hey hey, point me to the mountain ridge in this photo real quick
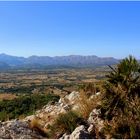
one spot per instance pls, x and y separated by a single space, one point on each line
45 61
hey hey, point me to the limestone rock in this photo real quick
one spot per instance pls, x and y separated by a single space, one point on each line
91 129
72 97
95 119
80 133
65 136
17 130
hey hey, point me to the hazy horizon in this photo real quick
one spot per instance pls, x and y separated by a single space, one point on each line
64 55
53 56
104 29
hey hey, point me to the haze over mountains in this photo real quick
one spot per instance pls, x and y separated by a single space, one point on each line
8 61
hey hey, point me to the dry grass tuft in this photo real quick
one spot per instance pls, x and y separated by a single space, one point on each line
36 124
87 104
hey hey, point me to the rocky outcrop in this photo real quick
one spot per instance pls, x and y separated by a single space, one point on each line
94 128
22 129
17 129
79 133
65 136
94 119
72 97
49 113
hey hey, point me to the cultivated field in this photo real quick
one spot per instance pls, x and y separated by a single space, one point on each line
57 81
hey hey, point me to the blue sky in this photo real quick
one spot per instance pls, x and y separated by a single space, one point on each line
65 28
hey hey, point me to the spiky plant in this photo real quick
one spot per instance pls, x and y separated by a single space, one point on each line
121 92
126 72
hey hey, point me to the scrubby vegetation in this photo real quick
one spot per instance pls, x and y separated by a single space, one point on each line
24 105
65 123
121 100
86 104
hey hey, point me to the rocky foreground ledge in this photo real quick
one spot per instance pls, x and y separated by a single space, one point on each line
21 129
17 129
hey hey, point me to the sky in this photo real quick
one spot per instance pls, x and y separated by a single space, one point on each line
54 28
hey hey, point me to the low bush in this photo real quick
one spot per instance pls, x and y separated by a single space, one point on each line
65 123
24 105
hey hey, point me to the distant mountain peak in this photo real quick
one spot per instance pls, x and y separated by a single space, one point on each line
3 54
70 60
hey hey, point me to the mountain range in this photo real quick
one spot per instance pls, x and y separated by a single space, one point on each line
8 61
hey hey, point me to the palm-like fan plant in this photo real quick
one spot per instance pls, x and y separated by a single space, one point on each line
121 90
126 74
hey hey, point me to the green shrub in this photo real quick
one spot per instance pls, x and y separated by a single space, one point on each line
65 123
24 105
